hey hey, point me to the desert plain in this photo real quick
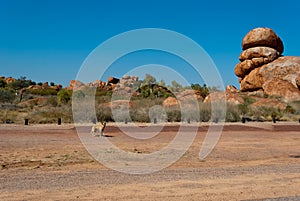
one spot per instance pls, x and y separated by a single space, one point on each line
252 161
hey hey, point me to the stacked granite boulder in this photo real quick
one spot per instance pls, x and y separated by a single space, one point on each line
260 46
263 68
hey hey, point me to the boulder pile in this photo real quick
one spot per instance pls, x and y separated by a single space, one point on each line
263 68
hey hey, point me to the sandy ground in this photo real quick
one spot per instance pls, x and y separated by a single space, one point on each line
251 161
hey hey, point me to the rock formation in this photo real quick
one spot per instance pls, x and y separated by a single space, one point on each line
75 85
262 67
9 80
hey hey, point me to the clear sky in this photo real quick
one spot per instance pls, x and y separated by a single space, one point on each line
48 40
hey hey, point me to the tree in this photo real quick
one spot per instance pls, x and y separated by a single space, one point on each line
2 83
7 96
63 96
204 90
176 86
149 79
162 83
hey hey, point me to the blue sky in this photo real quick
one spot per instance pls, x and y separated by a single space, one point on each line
49 40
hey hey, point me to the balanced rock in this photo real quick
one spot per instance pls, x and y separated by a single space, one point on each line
262 37
259 52
263 69
245 67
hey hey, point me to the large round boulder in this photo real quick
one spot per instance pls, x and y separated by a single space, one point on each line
262 37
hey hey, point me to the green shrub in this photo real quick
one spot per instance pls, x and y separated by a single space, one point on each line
173 115
232 114
42 92
64 96
2 83
52 101
7 96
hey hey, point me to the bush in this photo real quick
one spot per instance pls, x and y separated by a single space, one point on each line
205 112
51 115
140 115
104 114
42 92
2 83
64 96
52 101
173 115
232 114
7 96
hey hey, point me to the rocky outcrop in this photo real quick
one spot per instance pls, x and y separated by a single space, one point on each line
170 102
189 94
283 89
126 84
269 103
262 37
262 68
45 85
283 68
75 85
56 87
231 89
10 80
298 81
97 83
231 96
112 80
253 58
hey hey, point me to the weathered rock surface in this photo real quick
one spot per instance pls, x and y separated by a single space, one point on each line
268 102
262 37
258 52
283 68
97 83
56 87
10 80
75 85
231 89
228 96
298 81
126 85
189 95
283 89
170 101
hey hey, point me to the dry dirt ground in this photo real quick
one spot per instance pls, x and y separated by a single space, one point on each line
251 161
